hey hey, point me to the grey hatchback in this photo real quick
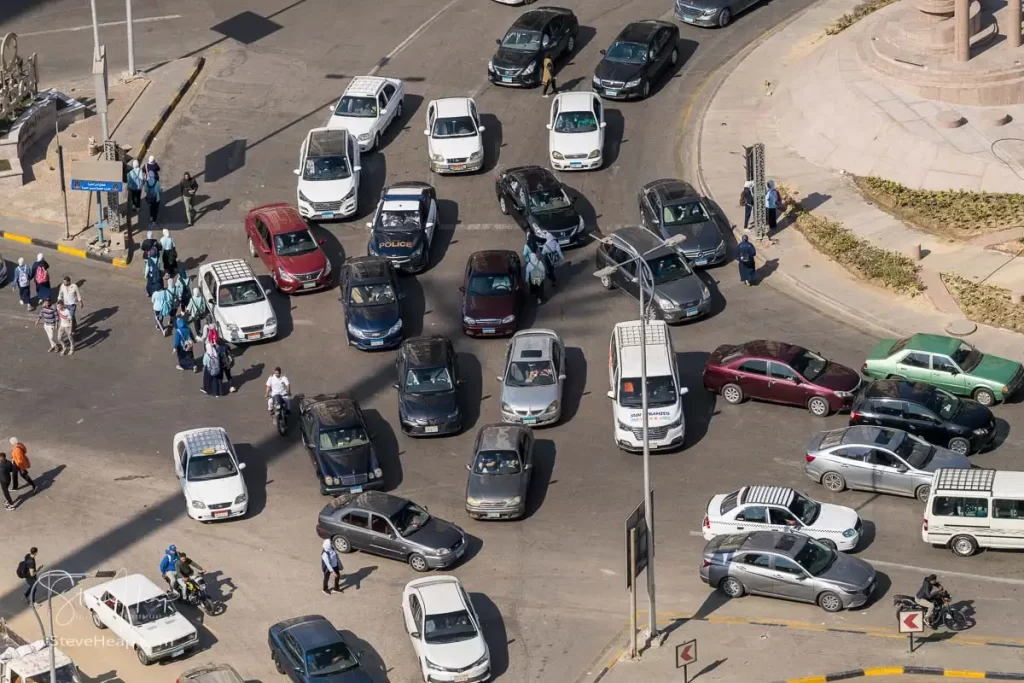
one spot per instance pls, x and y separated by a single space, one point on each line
499 475
791 566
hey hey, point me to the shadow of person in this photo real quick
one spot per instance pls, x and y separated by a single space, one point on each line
251 373
46 479
219 586
355 579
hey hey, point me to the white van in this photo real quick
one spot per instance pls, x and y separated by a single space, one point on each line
976 508
665 422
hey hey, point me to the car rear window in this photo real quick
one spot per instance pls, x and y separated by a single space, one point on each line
832 438
729 502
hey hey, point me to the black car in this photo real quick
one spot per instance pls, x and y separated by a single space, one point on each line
639 54
372 301
334 432
500 472
535 199
536 33
428 387
310 649
962 425
403 225
671 207
710 13
389 526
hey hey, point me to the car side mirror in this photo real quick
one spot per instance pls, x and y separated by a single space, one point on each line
604 52
650 56
800 577
561 377
295 171
460 382
611 394
469 468
902 469
548 126
481 129
426 131
394 385
414 634
369 224
604 124
498 41
330 109
356 169
321 242
264 249
683 391
462 289
528 466
574 200
241 466
499 378
954 371
210 302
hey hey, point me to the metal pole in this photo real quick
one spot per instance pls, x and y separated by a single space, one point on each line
95 32
53 637
131 37
652 618
632 593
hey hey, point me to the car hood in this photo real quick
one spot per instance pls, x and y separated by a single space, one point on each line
836 518
165 630
699 236
995 369
575 143
455 148
247 315
681 291
396 244
488 307
838 378
355 125
617 71
326 190
494 486
705 4
881 349
374 318
360 460
426 406
436 533
972 415
557 221
513 59
456 655
309 262
534 398
849 572
216 491
946 459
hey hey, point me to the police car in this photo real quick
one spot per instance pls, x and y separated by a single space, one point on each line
403 225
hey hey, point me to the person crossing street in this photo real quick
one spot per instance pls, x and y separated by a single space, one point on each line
19 458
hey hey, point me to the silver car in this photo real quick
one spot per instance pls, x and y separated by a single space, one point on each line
499 475
531 392
878 459
780 564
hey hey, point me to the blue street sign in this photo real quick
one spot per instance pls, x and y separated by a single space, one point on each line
96 185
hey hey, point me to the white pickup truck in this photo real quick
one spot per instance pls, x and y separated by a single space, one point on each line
30 663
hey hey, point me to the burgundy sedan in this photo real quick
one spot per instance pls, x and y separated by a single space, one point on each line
492 294
280 238
780 373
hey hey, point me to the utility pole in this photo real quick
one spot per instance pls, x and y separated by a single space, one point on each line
99 74
131 36
95 33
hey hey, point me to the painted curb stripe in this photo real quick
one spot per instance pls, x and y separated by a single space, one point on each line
166 112
80 253
64 249
909 671
17 238
884 671
844 675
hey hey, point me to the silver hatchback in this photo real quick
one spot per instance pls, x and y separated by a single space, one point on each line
878 459
533 377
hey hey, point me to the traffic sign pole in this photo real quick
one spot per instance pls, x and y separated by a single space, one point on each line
632 594
686 654
910 622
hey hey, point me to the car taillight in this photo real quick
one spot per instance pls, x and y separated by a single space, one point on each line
925 526
809 458
704 563
854 415
707 522
864 368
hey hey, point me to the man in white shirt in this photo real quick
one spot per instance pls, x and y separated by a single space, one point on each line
278 385
71 297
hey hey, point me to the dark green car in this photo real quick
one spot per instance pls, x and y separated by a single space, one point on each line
948 363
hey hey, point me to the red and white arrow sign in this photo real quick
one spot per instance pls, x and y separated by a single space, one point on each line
686 653
911 622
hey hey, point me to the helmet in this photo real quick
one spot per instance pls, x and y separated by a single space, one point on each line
172 549
931 578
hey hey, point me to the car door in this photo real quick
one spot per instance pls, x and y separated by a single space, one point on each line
890 472
947 375
516 204
626 275
526 456
791 581
115 615
558 358
210 292
599 115
515 271
785 386
752 518
181 463
430 221
752 377
888 412
924 423
414 625
293 660
915 365
665 45
264 245
781 519
390 92
383 540
476 121
383 115
429 130
754 571
648 218
850 463
356 528
310 437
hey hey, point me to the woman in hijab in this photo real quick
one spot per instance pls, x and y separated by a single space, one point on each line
177 290
135 180
195 310
154 278
22 282
162 307
183 343
152 191
41 276
745 254
536 273
169 252
771 205
747 202
212 370
227 361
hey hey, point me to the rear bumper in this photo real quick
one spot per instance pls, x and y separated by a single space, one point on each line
338 489
499 330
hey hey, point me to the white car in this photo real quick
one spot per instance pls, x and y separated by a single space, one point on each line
455 140
369 105
210 475
328 172
445 631
142 616
576 137
237 301
778 508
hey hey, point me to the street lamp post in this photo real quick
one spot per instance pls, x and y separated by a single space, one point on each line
131 37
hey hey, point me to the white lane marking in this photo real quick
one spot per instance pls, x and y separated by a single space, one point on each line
944 572
609 572
696 533
74 29
412 36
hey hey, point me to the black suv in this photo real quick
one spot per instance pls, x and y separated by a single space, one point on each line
389 526
334 432
639 54
372 301
537 201
428 387
519 61
962 425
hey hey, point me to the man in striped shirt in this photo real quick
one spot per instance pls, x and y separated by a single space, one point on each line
64 329
48 316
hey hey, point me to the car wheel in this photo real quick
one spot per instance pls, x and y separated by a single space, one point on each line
376 142
252 248
731 587
97 623
818 406
502 205
341 545
923 492
901 378
418 562
674 58
143 659
277 663
570 46
724 18
830 602
834 482
827 543
959 444
606 282
647 90
732 394
399 111
984 396
964 546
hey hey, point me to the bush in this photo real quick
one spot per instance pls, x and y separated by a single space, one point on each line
985 303
859 12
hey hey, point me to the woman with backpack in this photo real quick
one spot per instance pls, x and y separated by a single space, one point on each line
183 345
212 370
227 361
41 276
169 252
196 310
154 277
178 292
22 280
745 254
151 188
536 273
161 307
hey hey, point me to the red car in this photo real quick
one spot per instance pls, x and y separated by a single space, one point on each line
780 373
281 239
492 294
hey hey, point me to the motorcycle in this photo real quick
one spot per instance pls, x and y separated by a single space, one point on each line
280 415
195 594
944 613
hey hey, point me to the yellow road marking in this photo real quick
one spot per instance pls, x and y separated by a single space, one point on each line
809 679
17 238
80 253
884 671
963 673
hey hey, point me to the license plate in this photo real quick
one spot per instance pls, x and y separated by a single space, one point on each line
328 214
376 342
220 513
458 167
700 262
178 653
357 489
611 93
493 515
308 285
254 335
529 420
506 79
458 554
688 20
431 430
576 164
692 311
564 240
461 678
488 330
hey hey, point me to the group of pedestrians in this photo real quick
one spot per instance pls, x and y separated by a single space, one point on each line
745 251
144 183
541 256
26 276
11 469
58 321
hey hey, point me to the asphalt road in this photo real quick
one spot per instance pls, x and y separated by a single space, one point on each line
550 587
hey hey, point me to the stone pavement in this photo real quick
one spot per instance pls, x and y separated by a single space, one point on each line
744 111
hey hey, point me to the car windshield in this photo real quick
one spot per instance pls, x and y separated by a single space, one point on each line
943 404
490 285
292 243
517 39
533 373
362 107
428 380
815 558
455 127
626 53
342 438
805 509
330 659
65 674
497 462
399 221
661 392
410 519
576 122
689 213
240 294
151 610
916 453
548 199
371 295
668 268
450 627
967 357
207 467
326 168
808 364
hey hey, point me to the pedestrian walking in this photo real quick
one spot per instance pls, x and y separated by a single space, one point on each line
152 168
28 570
548 76
152 191
177 290
536 273
745 253
212 369
553 256
22 283
65 330
227 361
135 180
71 296
747 202
183 345
186 293
161 308
533 243
19 458
196 311
41 276
48 316
6 472
771 205
169 252
149 243
330 563
189 187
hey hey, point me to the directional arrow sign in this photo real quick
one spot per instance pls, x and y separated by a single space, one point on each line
911 621
686 653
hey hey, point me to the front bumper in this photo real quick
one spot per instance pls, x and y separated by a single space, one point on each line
844 545
406 264
242 337
628 441
294 286
446 560
704 259
474 675
174 652
463 167
517 81
576 164
980 443
622 93
208 515
691 313
698 19
542 420
451 427
375 344
858 599
495 330
345 210
339 489
511 512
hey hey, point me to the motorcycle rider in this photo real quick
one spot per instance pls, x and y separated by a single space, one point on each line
930 596
185 567
278 385
168 566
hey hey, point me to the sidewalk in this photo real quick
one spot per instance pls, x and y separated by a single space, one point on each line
744 110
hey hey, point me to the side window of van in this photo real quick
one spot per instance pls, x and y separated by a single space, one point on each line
959 506
1008 509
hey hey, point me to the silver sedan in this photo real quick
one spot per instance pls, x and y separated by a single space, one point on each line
532 381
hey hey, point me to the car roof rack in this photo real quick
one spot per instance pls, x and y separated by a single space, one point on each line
236 269
629 334
965 480
768 495
206 442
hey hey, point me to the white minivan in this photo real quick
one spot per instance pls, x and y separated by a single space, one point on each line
975 508
665 421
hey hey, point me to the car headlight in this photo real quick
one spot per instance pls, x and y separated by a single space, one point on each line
437 552
529 69
418 250
350 195
508 319
435 667
330 481
666 305
633 83
676 423
595 154
1005 390
709 12
623 426
981 431
271 322
241 499
552 407
356 332
596 80
472 501
377 473
515 500
721 248
395 328
483 658
303 198
232 328
704 292
198 505
843 394
372 248
452 415
557 155
364 137
849 533
506 408
490 65
581 226
439 158
285 275
469 321
475 155
327 268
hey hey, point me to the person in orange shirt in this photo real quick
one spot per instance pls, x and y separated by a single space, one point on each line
19 456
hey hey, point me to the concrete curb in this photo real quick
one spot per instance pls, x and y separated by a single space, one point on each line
909 671
166 112
70 251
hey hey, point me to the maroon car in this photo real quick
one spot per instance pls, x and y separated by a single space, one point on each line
492 294
280 238
780 373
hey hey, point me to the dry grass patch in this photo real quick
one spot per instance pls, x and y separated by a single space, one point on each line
1013 247
985 303
859 12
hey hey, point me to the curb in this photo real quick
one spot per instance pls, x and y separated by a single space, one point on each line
166 112
69 251
909 671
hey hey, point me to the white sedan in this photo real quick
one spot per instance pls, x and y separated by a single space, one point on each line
576 137
210 475
455 140
445 631
779 508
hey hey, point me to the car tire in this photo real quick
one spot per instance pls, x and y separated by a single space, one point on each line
674 57
252 248
833 481
647 90
341 545
819 407
901 378
984 396
399 111
964 546
143 659
277 664
502 205
724 18
376 142
96 621
959 444
731 587
606 282
418 563
732 394
830 544
570 46
922 492
830 602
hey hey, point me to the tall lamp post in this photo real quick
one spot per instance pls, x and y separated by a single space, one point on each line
60 575
646 280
